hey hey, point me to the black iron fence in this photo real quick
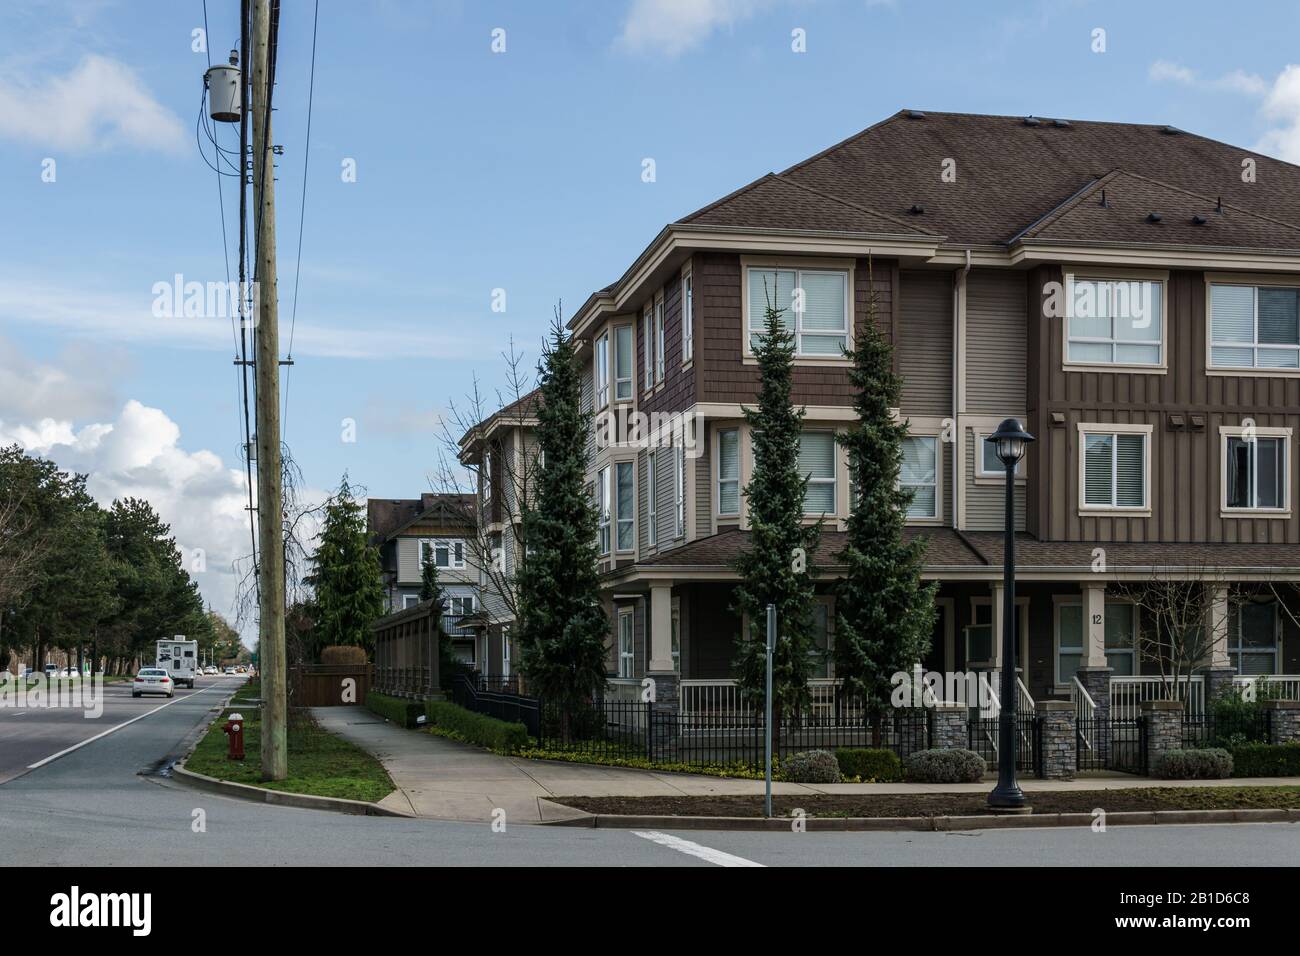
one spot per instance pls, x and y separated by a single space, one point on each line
515 708
1110 745
1225 729
982 737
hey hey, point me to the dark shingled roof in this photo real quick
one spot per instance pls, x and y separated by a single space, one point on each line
385 516
1010 176
943 547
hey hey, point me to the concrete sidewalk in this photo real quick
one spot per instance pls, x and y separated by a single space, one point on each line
445 780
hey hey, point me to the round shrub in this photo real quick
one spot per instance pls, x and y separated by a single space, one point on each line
869 765
1214 763
343 654
944 766
811 766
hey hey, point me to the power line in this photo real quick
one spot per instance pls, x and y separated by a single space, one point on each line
302 212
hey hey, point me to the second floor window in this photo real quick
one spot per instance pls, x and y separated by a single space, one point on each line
648 345
602 508
1255 475
623 363
659 339
729 471
679 492
602 370
1114 470
460 606
817 461
626 506
919 473
652 495
814 305
1254 327
1116 322
688 316
447 553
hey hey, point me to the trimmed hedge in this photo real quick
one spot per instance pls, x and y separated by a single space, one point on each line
1213 763
944 766
478 729
1266 760
869 765
398 710
811 766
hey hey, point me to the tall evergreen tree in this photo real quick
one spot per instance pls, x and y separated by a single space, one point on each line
884 613
777 567
561 626
346 574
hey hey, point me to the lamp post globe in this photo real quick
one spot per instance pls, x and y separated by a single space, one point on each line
1010 441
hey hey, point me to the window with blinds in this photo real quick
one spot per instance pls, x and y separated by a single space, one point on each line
1255 475
729 471
1116 322
1254 327
817 461
919 474
1114 470
814 306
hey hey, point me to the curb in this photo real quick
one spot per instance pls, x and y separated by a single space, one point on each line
281 798
935 824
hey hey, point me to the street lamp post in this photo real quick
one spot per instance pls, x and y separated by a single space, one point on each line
1010 440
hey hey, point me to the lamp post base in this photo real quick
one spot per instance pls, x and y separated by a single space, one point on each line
1008 799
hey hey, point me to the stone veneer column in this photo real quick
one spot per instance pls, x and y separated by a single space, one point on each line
1163 728
948 727
1283 721
1219 674
1096 681
1058 758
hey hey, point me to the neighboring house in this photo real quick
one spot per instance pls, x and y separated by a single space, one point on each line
405 531
501 453
966 229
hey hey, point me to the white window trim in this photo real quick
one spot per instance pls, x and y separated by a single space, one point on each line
628 656
505 650
652 502
833 480
631 362
1112 428
659 337
1236 431
619 518
648 345
410 600
679 491
847 266
432 544
604 506
717 472
930 428
999 477
601 356
1256 281
487 476
1118 275
688 314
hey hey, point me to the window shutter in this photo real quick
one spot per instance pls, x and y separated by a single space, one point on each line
1130 468
1097 456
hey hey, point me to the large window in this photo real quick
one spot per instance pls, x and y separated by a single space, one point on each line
652 497
461 606
1252 638
688 316
626 644
602 508
1115 322
448 553
1254 326
1114 469
814 305
601 358
1255 471
920 475
729 471
817 461
626 506
623 363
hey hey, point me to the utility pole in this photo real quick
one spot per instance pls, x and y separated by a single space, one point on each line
275 757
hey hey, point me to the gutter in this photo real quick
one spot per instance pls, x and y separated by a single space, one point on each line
958 389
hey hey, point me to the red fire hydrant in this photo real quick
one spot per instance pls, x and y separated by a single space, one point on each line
234 729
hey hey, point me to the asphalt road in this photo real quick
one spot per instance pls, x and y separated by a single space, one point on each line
104 804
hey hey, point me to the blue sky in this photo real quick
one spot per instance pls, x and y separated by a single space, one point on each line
476 171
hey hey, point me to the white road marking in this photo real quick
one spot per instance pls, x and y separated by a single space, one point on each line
125 723
709 854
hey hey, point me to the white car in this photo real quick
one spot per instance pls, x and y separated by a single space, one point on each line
153 680
209 670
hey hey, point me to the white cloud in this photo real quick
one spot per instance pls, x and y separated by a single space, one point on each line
672 27
1236 81
1282 107
76 387
139 454
1239 81
1163 71
98 103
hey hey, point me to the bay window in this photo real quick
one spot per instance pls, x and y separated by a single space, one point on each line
814 306
626 505
623 363
1254 326
601 361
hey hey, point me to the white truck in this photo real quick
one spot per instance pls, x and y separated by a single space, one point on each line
180 658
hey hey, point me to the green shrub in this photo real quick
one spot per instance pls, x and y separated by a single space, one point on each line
1237 715
944 766
399 711
868 765
1213 763
477 729
1266 760
811 766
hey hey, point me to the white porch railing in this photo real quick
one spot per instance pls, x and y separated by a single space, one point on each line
1285 686
704 699
1085 711
991 695
1128 693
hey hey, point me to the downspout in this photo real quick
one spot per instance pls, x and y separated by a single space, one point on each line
958 383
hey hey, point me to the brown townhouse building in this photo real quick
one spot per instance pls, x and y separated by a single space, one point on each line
1130 292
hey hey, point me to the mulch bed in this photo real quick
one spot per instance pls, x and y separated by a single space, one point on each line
943 804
